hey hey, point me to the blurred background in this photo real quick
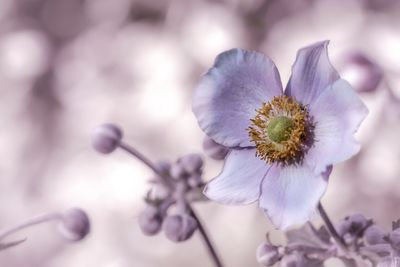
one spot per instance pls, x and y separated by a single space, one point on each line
69 65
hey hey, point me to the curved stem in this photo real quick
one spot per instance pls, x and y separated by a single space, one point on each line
331 228
33 221
168 180
206 239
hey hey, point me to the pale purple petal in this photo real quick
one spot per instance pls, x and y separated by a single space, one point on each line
240 180
337 113
312 73
230 92
290 194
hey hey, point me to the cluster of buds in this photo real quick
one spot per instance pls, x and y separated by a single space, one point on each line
308 246
73 225
167 203
174 187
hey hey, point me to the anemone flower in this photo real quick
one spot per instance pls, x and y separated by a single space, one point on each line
283 142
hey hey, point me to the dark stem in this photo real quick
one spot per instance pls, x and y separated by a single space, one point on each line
330 227
168 180
207 241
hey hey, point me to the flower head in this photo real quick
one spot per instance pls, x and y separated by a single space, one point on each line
282 143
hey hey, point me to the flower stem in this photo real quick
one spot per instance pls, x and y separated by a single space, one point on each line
331 228
168 180
33 221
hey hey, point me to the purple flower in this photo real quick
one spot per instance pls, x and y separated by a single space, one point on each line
283 143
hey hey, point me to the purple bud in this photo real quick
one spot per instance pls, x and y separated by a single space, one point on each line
163 167
177 171
75 224
267 254
195 180
150 221
389 262
363 74
394 238
191 163
374 235
179 227
213 149
106 138
354 225
293 260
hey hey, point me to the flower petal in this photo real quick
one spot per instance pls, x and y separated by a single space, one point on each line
337 114
240 180
290 194
230 92
312 73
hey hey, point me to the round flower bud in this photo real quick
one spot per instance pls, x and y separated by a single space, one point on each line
191 163
163 167
374 235
389 262
106 138
75 224
179 227
293 260
213 149
354 225
394 238
361 72
195 180
267 254
177 171
150 221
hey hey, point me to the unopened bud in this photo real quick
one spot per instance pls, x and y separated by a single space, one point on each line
363 74
177 171
150 221
163 167
394 238
179 227
106 138
213 149
195 180
75 224
293 260
191 163
354 225
267 254
374 235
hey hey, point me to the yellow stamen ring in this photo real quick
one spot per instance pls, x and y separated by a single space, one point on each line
279 130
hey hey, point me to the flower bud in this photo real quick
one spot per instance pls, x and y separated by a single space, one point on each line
195 180
106 138
179 227
150 221
361 72
267 254
75 224
394 238
293 260
389 262
191 163
374 235
354 225
213 149
177 171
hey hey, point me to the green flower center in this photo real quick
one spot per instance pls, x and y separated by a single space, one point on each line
279 129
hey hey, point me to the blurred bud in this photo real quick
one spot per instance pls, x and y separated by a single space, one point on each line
354 225
163 167
389 262
374 235
150 220
361 72
213 149
191 163
106 138
179 227
75 224
267 254
195 180
394 238
293 260
177 171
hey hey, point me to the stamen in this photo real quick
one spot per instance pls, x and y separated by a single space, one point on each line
279 130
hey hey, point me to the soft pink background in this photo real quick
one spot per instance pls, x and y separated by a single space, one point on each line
68 65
